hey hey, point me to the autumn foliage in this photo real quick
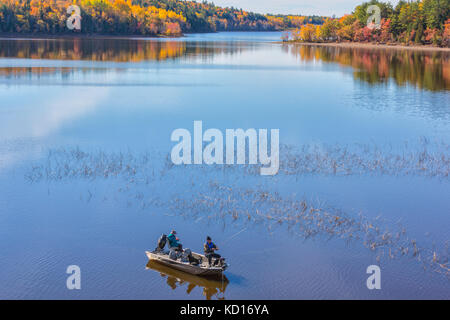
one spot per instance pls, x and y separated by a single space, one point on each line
145 17
415 22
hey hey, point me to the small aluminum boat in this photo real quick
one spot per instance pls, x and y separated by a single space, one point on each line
202 269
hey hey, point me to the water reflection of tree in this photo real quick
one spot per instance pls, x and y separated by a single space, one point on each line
20 71
427 70
104 50
115 50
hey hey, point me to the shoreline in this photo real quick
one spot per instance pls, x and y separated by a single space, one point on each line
42 36
357 45
368 45
93 36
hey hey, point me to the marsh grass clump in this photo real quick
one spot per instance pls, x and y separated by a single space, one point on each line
424 159
62 164
151 179
307 219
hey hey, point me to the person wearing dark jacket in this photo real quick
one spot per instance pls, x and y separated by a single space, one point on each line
209 247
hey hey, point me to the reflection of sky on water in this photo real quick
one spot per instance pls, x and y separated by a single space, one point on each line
111 106
39 122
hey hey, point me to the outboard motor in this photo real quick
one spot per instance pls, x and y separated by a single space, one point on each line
161 243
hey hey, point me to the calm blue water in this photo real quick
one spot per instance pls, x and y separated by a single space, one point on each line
72 110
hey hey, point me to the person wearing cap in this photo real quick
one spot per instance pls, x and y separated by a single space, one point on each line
174 241
210 248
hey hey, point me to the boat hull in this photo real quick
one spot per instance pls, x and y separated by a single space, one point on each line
201 270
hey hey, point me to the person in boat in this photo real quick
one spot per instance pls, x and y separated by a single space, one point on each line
174 242
209 247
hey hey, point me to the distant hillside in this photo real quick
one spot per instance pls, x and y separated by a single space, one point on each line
144 17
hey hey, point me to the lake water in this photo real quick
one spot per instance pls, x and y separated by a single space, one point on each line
85 130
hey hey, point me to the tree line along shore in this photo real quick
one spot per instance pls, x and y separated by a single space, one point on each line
412 23
138 17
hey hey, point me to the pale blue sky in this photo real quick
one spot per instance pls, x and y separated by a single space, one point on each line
307 7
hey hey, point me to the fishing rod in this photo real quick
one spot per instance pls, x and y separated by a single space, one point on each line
234 235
